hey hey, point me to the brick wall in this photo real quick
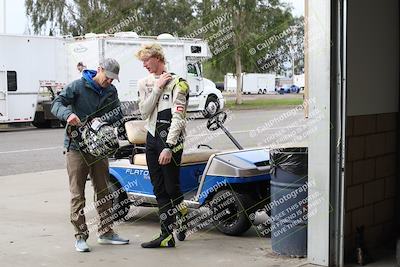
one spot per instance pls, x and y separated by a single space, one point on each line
371 171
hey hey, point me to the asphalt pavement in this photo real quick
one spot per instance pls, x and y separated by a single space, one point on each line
32 150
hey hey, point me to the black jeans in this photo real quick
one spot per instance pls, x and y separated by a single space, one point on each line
165 180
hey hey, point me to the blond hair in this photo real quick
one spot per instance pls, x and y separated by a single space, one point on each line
150 50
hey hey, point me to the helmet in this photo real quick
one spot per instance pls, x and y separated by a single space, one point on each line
100 140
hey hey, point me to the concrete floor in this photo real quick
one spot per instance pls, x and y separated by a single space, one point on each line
36 231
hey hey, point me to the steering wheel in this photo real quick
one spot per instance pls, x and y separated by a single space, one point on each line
215 121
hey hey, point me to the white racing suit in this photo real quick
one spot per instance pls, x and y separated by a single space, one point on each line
165 112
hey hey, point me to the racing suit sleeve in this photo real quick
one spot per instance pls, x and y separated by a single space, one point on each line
178 110
61 104
148 101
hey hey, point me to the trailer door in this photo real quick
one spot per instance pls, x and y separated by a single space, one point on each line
3 95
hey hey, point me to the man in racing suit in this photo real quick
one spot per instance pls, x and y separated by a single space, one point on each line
163 102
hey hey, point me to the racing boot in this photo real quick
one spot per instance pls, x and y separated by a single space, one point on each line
165 239
181 222
162 241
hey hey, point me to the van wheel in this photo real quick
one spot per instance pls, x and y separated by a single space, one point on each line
233 212
212 106
121 203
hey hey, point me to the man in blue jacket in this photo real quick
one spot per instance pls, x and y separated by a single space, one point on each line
92 96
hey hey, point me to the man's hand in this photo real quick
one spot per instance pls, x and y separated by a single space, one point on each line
163 80
165 156
73 120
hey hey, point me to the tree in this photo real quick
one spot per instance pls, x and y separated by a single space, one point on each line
252 22
288 47
77 17
243 35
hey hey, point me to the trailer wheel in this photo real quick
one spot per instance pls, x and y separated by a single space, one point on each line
212 106
121 203
260 91
231 212
264 91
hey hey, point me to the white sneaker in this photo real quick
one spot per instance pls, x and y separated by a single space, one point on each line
81 245
112 239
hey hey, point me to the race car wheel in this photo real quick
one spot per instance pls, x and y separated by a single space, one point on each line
121 203
233 212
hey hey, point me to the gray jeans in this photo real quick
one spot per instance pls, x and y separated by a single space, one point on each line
78 170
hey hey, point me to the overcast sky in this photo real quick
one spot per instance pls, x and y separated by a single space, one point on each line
298 7
17 22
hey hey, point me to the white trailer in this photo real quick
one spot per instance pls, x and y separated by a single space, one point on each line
230 83
252 83
258 83
184 57
25 63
